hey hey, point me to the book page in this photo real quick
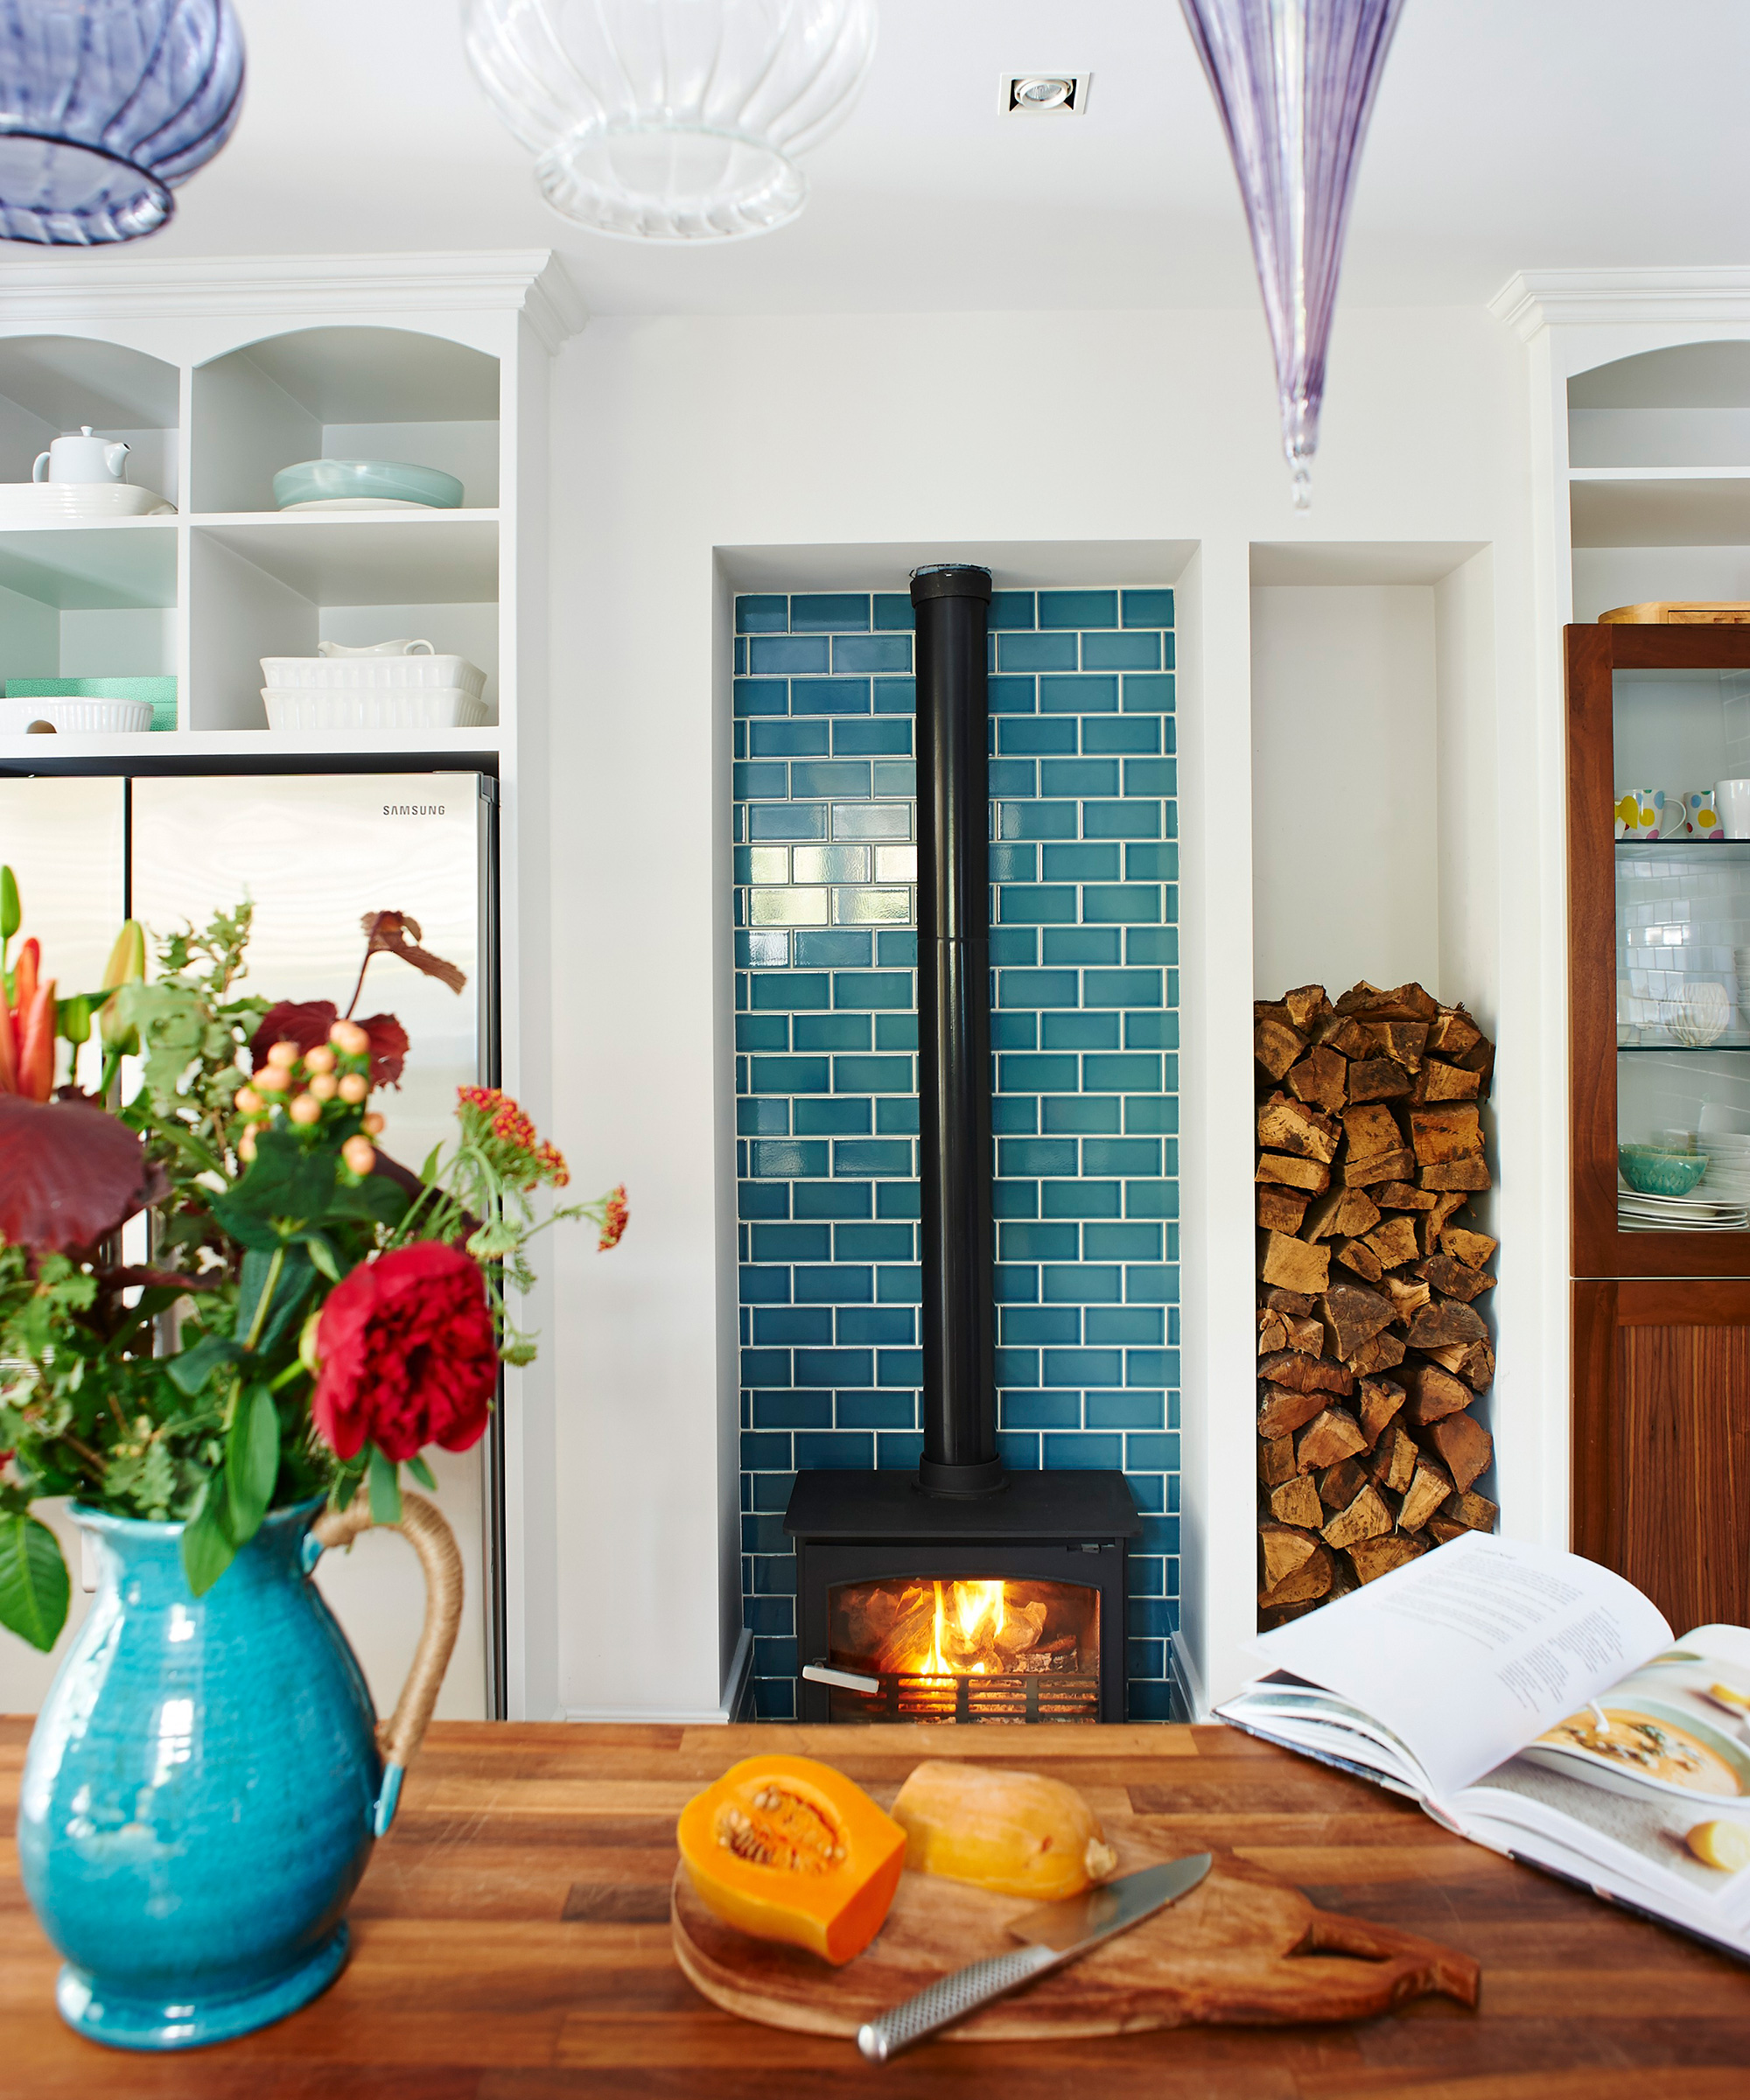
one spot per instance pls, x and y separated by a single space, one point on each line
1651 1779
1469 1652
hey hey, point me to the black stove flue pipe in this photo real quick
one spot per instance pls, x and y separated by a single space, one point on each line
952 606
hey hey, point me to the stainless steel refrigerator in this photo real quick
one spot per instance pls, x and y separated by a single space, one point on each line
314 853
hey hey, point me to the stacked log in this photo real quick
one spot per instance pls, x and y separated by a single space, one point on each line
1371 1343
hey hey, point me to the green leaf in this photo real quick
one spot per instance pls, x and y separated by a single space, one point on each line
251 1461
428 1173
346 1487
296 1276
322 1253
262 1190
12 917
206 1549
422 1472
33 1584
190 1371
376 1199
245 1227
385 1489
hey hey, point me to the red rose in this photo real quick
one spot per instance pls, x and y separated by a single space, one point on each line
408 1355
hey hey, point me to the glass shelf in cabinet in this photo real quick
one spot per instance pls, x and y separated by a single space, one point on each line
1737 1042
1655 848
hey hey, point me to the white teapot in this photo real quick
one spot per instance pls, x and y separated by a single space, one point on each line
77 456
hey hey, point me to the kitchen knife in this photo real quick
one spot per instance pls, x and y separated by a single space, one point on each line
1054 1934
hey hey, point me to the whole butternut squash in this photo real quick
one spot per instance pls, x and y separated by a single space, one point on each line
787 1849
1014 1832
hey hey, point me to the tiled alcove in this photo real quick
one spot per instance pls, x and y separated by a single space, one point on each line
1084 949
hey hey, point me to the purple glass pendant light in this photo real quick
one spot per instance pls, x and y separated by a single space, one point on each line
105 106
1294 81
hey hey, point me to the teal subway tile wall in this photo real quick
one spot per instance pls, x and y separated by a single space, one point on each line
1084 1024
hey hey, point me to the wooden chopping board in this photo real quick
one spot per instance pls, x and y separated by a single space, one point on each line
1242 1949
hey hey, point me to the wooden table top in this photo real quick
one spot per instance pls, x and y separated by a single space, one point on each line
511 1943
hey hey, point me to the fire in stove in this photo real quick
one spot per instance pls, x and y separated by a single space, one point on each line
946 1649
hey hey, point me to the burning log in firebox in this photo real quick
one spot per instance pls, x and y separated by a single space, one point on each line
1371 1344
949 1628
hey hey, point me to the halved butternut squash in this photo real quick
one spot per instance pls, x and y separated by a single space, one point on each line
1011 1831
787 1849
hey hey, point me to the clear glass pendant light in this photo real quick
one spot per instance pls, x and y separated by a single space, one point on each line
1294 81
671 120
105 106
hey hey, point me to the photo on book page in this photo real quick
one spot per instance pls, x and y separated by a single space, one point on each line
1659 1764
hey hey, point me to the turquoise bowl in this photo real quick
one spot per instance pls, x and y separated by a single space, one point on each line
201 1794
1656 1173
365 480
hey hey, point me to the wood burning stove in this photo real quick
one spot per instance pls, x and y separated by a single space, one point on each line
960 1594
912 1606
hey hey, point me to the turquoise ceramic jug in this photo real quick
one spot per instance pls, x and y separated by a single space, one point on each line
205 1781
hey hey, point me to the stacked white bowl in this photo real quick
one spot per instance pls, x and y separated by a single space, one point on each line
389 685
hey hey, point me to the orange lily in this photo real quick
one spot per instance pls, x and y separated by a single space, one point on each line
37 1051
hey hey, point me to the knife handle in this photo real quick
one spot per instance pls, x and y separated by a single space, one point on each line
952 1998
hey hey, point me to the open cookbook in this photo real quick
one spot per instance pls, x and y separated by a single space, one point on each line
1539 1704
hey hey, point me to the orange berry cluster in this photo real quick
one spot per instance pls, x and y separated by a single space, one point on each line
305 1084
500 1119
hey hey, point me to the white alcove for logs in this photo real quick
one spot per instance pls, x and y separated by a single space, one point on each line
1375 797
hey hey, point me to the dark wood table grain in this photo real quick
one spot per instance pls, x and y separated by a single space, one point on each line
511 1943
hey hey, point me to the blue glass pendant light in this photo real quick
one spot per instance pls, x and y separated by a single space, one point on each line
105 106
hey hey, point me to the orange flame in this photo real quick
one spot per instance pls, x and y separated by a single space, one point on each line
980 1611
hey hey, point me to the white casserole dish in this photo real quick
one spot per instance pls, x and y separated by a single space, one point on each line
373 674
365 713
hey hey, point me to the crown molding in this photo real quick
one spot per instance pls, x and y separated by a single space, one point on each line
532 282
1532 299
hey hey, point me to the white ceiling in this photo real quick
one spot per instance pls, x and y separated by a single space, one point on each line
1507 133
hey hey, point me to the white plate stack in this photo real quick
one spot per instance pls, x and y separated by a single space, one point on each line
1728 1165
361 695
26 503
1708 1207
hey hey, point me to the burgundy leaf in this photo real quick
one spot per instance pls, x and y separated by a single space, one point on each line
388 1049
395 933
69 1175
306 1024
159 1280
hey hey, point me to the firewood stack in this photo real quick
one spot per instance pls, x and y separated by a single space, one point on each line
1370 1345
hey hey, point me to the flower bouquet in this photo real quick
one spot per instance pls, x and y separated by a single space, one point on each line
303 1315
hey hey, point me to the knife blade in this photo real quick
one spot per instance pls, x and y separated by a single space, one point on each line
1052 1936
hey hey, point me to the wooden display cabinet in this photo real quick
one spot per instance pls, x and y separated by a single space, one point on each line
1661 1318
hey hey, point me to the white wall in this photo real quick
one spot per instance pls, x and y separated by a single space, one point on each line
674 437
1344 795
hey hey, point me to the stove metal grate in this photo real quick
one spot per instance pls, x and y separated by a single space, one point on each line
1017 1699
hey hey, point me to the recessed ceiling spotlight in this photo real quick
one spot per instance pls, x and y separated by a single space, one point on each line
1045 94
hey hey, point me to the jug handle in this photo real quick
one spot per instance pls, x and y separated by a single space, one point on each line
40 471
425 1530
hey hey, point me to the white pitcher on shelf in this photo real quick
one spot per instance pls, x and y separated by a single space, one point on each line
79 456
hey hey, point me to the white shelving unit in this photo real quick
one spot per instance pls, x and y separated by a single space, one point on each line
218 373
215 386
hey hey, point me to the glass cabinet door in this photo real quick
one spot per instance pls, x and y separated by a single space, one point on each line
1683 948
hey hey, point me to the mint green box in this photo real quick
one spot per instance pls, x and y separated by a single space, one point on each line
160 692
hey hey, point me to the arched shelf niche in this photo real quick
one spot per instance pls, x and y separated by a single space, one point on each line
1659 476
51 383
342 393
